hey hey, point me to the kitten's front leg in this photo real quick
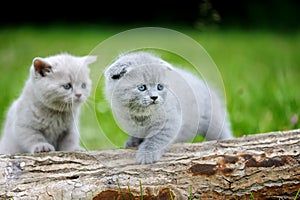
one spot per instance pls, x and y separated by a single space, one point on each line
151 149
70 142
33 141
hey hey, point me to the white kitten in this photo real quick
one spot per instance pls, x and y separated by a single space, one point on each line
159 104
45 116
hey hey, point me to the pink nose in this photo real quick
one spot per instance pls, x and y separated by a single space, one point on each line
78 95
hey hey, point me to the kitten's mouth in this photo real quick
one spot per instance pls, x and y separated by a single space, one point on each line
153 103
77 101
73 102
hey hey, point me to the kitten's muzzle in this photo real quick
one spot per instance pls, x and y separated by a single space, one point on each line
77 98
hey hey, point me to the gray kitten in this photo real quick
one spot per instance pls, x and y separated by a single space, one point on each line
45 116
158 104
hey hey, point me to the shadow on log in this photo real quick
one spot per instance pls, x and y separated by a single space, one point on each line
261 166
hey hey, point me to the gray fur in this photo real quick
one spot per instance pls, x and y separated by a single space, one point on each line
184 107
45 116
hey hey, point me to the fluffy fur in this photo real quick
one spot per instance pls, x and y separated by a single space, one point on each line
45 116
158 104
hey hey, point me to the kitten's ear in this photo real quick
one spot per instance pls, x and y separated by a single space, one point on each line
89 59
168 65
41 66
117 71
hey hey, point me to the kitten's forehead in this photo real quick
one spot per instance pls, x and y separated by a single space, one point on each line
65 61
150 73
138 58
145 64
143 58
68 64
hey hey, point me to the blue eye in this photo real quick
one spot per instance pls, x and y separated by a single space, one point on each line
160 87
67 86
83 85
141 88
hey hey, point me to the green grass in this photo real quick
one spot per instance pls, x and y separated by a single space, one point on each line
260 70
297 194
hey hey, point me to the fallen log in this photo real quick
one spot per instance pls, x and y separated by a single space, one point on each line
260 166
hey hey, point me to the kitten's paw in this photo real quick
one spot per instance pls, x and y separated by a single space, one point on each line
143 157
71 148
79 149
42 147
133 142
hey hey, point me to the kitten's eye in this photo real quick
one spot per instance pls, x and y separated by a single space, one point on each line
83 85
142 88
67 86
160 87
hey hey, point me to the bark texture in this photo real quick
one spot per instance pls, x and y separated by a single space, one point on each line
261 166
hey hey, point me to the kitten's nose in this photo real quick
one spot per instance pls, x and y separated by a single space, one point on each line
154 97
78 95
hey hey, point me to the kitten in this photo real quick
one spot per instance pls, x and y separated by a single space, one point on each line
45 116
158 104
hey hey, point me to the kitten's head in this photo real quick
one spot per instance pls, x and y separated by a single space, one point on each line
141 88
61 82
144 81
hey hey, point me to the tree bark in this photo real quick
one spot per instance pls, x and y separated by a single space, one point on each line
261 166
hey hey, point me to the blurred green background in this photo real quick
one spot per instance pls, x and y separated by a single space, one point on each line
254 44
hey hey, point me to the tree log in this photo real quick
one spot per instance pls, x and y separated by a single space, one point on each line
260 166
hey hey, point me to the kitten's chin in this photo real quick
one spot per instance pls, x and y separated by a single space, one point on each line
77 102
63 107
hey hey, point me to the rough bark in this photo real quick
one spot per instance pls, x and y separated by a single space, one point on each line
261 166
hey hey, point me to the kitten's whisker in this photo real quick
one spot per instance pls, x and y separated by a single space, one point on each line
89 107
61 108
76 124
91 101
